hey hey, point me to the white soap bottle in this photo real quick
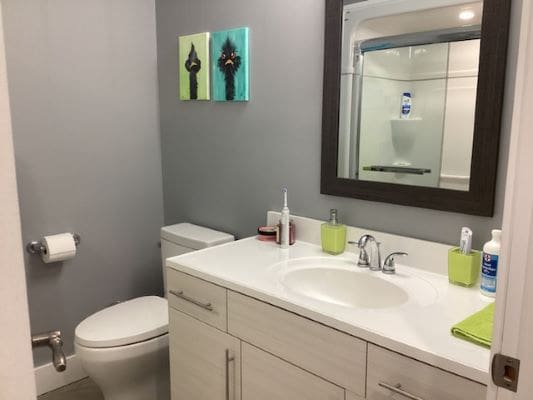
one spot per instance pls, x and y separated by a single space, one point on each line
489 264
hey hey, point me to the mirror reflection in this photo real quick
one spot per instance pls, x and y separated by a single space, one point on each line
408 92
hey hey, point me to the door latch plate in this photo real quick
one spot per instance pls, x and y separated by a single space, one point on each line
505 371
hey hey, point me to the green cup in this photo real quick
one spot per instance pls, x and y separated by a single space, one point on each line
463 269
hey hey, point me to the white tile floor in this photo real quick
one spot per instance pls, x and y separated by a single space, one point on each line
81 390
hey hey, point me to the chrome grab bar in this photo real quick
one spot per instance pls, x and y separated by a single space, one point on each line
398 389
181 295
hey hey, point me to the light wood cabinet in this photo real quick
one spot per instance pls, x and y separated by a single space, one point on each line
351 396
326 352
198 298
389 373
227 346
205 363
265 377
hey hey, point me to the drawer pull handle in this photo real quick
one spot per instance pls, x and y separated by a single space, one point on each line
229 359
398 389
181 295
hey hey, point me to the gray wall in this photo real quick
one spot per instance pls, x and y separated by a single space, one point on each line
223 164
83 85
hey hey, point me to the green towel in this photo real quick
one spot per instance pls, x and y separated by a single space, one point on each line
477 328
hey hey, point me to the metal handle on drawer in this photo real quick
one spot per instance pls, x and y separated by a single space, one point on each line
181 295
398 389
229 359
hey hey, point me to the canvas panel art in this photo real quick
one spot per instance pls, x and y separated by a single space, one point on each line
230 65
194 66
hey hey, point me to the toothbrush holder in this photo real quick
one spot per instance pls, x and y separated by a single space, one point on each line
463 269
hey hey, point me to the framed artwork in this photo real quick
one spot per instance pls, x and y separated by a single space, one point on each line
193 66
230 67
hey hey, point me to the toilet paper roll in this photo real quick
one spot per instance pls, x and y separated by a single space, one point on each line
59 247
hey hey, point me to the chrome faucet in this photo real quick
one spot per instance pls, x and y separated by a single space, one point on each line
363 260
53 340
366 261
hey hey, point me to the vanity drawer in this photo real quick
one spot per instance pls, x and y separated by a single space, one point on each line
422 381
197 298
326 352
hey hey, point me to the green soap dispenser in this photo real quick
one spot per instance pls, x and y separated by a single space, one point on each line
333 234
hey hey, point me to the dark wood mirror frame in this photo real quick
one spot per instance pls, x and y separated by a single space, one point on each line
479 200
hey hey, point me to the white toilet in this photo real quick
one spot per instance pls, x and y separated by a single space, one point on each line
124 348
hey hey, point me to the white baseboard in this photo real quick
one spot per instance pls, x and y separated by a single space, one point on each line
47 378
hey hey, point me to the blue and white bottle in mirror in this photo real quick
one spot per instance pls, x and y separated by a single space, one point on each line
489 264
407 104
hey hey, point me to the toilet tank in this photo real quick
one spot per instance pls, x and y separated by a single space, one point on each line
183 238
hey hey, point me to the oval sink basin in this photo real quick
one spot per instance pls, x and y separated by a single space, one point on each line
341 282
345 288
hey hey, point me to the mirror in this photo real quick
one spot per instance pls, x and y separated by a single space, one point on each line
412 78
412 101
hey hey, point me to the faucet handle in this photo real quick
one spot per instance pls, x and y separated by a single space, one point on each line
363 261
389 265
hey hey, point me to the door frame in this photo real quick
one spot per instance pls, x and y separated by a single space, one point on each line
17 378
513 325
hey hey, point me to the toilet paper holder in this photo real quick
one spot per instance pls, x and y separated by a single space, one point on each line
37 247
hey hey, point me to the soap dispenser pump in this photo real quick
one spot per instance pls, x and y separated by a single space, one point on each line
333 234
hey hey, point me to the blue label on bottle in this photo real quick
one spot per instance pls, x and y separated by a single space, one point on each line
489 269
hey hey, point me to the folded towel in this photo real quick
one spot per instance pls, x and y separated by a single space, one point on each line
477 328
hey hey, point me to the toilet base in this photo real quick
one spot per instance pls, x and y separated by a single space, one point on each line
139 371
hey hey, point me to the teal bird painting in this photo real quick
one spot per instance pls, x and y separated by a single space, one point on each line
230 68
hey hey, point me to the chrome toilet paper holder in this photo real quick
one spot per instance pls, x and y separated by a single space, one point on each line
37 247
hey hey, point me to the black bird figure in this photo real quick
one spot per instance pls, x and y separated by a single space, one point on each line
229 63
193 65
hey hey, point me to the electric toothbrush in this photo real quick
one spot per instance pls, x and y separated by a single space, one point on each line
284 221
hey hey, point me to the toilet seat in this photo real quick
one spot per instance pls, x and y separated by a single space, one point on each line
132 321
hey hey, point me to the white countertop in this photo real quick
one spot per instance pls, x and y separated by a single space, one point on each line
420 331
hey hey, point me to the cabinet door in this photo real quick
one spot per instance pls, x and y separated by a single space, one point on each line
323 351
266 377
204 362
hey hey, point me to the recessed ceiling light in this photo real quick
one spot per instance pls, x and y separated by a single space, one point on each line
467 14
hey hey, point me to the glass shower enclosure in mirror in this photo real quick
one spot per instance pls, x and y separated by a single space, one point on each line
408 88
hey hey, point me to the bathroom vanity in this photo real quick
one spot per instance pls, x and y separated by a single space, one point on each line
251 321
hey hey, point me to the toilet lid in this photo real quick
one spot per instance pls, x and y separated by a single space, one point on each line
125 323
